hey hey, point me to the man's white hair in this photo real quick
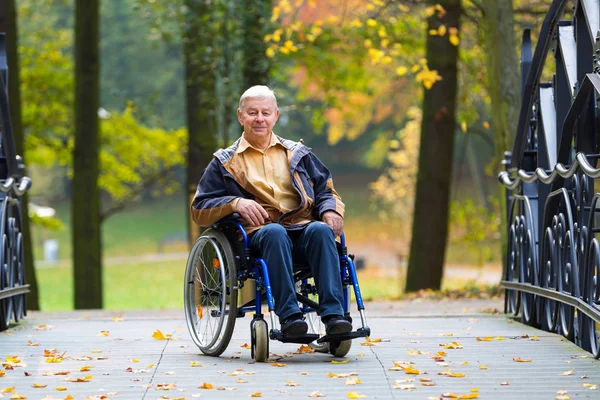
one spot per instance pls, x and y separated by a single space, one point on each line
258 91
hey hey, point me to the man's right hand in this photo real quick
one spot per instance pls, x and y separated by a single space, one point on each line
251 211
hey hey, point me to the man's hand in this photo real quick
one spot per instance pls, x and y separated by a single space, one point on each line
335 221
251 211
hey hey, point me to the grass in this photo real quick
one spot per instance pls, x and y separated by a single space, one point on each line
136 231
159 285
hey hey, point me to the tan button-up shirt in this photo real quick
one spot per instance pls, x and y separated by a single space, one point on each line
268 178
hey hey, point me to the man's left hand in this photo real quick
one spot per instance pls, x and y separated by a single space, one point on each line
335 221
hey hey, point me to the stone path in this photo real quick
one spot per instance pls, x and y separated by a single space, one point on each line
484 354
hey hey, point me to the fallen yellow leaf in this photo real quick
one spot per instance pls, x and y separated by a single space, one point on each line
340 362
149 366
452 345
104 333
2 373
158 335
85 368
354 395
205 386
569 372
195 363
278 365
38 385
246 346
135 360
30 343
484 339
483 367
353 381
290 383
519 359
165 386
469 396
61 388
241 380
256 394
304 348
8 389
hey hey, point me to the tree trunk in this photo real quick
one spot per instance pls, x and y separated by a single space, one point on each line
85 200
256 70
430 222
503 87
201 101
8 22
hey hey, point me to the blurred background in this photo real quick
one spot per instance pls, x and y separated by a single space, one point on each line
356 79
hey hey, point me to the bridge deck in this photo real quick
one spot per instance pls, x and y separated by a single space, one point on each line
130 364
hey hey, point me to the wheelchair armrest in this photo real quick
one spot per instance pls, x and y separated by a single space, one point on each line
233 217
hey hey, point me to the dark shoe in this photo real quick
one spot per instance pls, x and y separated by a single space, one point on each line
294 325
336 324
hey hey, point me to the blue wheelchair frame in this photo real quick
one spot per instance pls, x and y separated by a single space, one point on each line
256 268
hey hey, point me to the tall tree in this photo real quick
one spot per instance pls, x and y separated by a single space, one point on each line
256 26
503 84
85 208
430 222
201 102
8 24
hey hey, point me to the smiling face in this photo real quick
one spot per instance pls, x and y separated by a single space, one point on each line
258 115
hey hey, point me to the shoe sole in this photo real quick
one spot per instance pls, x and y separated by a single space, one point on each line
296 328
339 328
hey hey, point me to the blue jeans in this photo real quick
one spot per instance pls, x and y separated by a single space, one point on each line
314 245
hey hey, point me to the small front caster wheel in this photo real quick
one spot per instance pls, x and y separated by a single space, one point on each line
259 332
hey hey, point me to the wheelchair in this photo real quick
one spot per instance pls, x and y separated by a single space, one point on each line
218 266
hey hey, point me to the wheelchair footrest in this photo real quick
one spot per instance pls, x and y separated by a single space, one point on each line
360 332
304 339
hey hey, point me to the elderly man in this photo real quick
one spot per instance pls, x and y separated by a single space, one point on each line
289 207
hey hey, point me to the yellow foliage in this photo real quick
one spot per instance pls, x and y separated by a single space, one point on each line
428 77
275 14
395 188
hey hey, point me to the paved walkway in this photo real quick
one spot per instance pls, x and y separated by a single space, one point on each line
427 350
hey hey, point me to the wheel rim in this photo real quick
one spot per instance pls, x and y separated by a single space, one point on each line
206 288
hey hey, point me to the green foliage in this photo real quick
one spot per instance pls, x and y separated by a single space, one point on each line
474 227
135 158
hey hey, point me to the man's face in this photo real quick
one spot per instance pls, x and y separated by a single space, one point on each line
258 117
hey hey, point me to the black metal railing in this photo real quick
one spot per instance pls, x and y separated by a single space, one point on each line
13 184
552 272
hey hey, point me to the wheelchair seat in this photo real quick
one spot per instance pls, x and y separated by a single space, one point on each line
220 263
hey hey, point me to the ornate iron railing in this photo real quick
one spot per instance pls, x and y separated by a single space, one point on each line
552 273
12 186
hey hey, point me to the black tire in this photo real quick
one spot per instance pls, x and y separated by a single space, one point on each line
210 292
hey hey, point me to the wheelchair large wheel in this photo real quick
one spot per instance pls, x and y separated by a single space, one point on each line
210 292
316 326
